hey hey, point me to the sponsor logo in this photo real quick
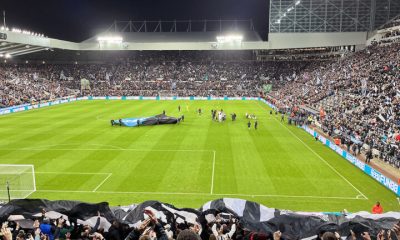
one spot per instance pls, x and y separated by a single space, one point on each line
384 180
355 161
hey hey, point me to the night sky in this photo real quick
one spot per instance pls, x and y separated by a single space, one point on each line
77 20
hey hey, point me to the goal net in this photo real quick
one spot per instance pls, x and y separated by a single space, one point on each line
18 179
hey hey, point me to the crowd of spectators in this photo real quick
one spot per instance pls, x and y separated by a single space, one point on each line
358 99
209 227
25 84
145 74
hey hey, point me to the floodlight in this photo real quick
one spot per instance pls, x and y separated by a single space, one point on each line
298 2
229 38
110 39
7 55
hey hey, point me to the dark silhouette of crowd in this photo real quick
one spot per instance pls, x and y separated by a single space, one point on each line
207 227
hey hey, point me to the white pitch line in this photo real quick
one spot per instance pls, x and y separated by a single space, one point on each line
74 173
105 149
323 160
212 174
203 194
98 186
287 196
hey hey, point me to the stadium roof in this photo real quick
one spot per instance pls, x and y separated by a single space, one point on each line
152 37
8 49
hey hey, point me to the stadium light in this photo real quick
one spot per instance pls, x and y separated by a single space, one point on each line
229 38
21 31
291 8
110 39
7 55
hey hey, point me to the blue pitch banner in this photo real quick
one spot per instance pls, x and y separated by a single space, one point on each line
146 121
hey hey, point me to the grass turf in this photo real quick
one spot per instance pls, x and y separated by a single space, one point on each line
77 155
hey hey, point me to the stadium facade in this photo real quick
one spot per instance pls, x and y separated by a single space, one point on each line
330 15
293 24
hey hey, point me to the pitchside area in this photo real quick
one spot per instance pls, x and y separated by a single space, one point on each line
78 155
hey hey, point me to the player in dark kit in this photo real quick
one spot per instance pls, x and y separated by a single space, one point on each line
233 116
179 108
249 125
255 125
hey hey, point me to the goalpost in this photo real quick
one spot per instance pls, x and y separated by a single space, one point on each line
18 180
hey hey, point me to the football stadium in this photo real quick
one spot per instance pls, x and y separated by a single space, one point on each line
217 129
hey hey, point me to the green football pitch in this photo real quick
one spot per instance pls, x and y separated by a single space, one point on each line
77 155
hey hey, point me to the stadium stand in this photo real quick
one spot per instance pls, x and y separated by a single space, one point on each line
365 86
364 83
354 99
359 96
167 74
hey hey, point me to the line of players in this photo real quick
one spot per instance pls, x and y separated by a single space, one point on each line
220 116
